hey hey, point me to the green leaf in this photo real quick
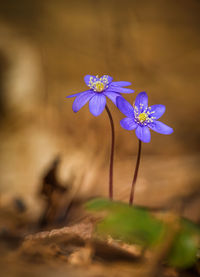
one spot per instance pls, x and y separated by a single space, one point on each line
137 225
183 253
130 224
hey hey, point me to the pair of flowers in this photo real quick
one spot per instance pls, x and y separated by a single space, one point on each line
140 118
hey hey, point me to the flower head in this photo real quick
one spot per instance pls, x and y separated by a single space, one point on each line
99 88
141 118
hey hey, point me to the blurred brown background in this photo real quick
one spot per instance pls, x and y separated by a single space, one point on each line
46 48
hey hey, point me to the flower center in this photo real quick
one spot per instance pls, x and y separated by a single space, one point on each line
98 84
142 117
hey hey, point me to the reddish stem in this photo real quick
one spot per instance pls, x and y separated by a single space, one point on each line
111 153
135 173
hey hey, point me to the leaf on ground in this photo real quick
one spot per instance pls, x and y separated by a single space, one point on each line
136 225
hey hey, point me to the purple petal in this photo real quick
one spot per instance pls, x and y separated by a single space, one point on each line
161 128
109 78
125 107
81 100
87 79
120 90
76 94
143 133
111 95
157 111
121 84
128 123
97 104
141 101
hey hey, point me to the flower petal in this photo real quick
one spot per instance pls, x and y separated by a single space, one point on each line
156 111
76 94
143 133
97 104
121 84
109 78
161 128
128 123
141 101
81 100
125 107
111 95
120 90
87 79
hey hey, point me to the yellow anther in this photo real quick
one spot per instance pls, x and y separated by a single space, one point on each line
142 117
99 86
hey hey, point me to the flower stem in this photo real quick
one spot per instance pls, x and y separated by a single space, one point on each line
135 173
111 153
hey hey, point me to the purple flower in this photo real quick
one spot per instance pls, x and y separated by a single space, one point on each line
99 88
141 118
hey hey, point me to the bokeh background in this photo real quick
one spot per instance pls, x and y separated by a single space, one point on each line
47 47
